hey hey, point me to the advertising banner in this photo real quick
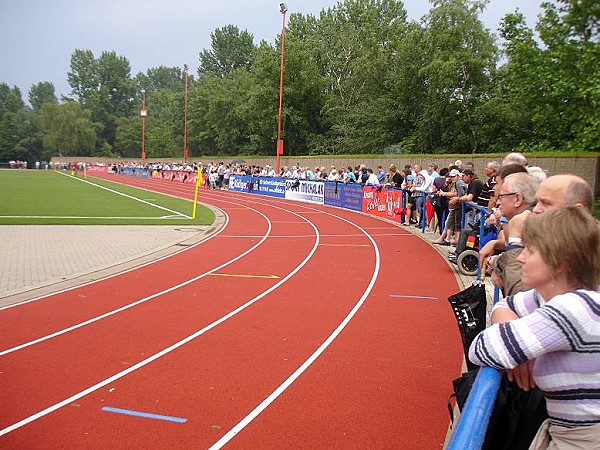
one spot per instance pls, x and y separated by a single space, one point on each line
344 195
95 168
175 175
271 187
386 203
239 183
305 191
135 172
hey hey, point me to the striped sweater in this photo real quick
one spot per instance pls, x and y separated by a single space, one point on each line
563 336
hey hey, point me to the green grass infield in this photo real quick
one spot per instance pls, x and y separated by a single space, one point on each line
36 197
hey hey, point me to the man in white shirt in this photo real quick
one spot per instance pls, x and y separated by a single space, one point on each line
421 185
372 179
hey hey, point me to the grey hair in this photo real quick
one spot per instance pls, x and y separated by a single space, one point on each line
494 165
524 183
515 158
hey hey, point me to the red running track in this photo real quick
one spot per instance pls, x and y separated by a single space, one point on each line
294 326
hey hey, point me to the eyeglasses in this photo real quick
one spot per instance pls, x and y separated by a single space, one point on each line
499 196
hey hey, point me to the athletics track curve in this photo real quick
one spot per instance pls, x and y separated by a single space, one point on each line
293 326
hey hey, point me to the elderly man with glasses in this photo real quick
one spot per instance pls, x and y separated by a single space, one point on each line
515 195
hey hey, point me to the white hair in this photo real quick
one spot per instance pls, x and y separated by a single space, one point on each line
538 173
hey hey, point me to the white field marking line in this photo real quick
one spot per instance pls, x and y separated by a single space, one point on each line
128 196
96 217
166 350
294 376
112 275
138 302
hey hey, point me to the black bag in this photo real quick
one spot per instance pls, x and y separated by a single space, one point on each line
470 308
433 199
516 417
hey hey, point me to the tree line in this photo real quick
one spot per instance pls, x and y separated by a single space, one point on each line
359 79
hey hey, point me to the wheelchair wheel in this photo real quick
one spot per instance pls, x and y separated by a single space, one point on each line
468 262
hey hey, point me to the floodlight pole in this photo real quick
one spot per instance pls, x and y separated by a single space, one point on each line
283 10
143 114
185 108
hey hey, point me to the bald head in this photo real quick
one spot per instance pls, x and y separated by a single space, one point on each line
563 190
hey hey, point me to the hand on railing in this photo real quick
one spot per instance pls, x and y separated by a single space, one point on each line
522 375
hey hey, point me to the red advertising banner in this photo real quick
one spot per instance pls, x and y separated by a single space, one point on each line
175 175
386 203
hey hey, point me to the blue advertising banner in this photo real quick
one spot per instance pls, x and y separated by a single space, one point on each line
239 183
135 172
271 187
342 195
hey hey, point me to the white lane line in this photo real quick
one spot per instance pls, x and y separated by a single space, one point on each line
128 196
167 350
294 376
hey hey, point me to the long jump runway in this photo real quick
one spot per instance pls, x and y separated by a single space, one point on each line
293 326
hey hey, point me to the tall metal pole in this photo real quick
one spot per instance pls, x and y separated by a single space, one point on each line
185 107
283 9
143 114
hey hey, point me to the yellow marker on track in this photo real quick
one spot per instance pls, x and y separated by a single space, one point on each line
198 178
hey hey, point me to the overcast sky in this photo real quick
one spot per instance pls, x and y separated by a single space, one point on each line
38 37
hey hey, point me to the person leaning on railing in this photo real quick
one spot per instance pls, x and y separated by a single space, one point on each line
553 330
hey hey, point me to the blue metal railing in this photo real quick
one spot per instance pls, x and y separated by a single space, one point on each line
473 421
471 428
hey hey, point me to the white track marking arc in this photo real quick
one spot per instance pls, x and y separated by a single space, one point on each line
303 367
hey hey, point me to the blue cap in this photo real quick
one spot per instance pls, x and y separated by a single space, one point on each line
410 178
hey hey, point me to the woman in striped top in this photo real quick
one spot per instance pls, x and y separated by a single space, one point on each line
554 329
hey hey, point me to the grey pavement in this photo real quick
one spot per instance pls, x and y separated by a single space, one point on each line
37 260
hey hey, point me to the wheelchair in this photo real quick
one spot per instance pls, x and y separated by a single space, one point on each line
468 260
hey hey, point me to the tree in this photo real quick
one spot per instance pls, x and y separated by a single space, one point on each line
160 79
10 99
557 82
104 87
218 110
231 49
355 41
40 93
461 61
68 128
